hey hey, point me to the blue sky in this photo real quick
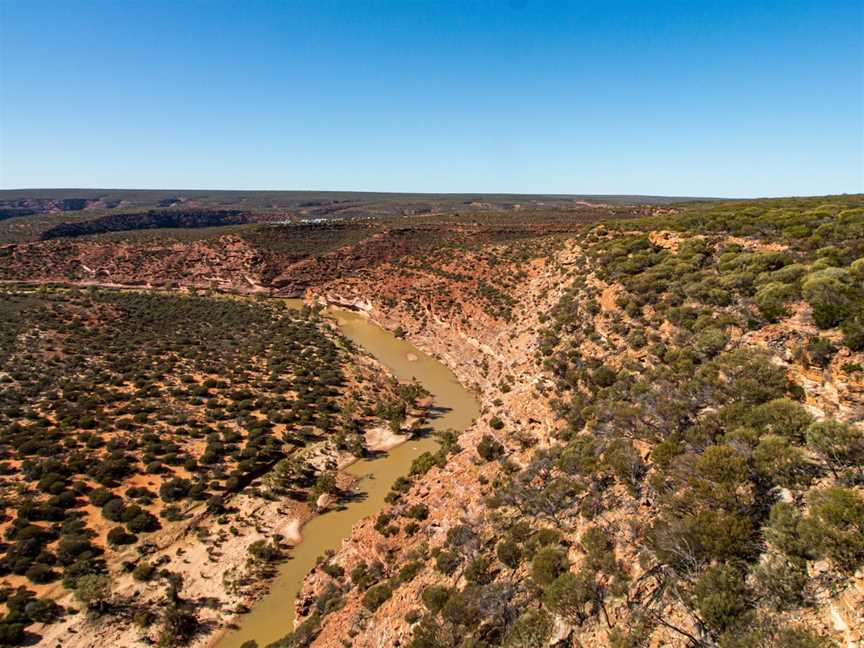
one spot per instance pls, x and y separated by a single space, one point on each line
690 97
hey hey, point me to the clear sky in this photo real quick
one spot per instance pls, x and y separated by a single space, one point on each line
690 97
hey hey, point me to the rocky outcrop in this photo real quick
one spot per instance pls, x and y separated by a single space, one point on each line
227 263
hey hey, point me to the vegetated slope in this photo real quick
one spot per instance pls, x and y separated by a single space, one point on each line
239 260
680 464
14 212
131 427
281 259
314 203
26 201
395 242
149 220
29 213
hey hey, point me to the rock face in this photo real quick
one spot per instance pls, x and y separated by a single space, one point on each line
498 359
228 263
285 260
829 390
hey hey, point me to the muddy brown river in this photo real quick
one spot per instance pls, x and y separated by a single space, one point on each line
454 408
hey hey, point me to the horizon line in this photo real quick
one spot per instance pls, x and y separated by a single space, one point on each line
439 193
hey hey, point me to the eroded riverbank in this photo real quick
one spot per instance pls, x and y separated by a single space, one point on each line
453 408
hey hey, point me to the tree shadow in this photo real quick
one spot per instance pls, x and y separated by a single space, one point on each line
30 639
347 499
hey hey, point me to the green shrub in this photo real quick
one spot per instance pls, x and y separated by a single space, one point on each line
546 536
376 596
779 462
829 294
418 512
841 445
264 552
461 610
93 589
12 633
40 573
771 299
447 562
721 598
711 341
118 536
820 351
489 449
604 376
547 565
509 553
43 610
569 594
834 526
143 571
624 461
782 530
333 570
409 571
531 630
364 575
113 509
781 416
478 571
781 582
853 329
434 597
100 496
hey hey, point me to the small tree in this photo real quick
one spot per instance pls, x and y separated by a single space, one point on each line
326 483
547 565
179 624
624 461
179 620
489 449
376 596
434 597
840 445
778 461
509 553
531 630
721 597
568 595
834 527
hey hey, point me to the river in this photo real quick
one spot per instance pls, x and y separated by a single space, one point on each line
454 408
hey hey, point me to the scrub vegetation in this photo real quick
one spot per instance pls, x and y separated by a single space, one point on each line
698 484
124 412
693 485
